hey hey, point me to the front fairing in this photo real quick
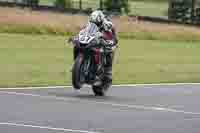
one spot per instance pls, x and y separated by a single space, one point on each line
88 67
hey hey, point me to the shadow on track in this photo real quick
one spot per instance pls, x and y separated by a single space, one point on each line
91 97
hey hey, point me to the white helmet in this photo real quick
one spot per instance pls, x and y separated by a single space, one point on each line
107 25
97 17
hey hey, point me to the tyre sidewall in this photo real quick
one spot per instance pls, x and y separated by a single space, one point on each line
76 71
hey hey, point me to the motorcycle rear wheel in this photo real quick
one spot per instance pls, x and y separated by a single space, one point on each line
99 90
103 88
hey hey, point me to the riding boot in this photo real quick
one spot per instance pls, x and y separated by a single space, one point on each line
98 78
107 80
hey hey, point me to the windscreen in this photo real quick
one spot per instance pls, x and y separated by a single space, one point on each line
91 29
88 33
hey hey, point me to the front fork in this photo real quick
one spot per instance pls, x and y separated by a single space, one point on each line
99 61
92 65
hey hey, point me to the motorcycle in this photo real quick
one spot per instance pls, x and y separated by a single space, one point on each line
90 61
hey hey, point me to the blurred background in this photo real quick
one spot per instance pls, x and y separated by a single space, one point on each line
186 11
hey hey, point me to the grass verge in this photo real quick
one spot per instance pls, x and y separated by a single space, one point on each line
41 60
14 20
137 34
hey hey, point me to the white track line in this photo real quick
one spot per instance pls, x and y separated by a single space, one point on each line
27 88
117 85
160 84
128 106
46 127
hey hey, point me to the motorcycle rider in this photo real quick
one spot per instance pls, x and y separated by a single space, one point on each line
105 27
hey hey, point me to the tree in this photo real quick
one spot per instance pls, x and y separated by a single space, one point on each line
117 5
31 3
63 4
80 4
101 4
181 10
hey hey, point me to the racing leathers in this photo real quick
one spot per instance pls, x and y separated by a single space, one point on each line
111 39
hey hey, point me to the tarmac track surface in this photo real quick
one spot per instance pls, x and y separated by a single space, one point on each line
125 109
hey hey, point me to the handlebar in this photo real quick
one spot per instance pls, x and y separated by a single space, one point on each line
101 42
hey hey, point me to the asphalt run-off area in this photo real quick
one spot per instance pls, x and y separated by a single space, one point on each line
173 108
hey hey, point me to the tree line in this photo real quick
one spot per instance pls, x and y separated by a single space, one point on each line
108 5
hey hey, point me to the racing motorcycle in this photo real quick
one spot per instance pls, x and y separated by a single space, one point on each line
90 61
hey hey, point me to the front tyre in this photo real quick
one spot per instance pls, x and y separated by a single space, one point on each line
77 72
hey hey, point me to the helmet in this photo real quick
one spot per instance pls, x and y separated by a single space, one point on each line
97 17
107 25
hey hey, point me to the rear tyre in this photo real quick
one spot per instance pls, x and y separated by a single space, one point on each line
77 73
99 90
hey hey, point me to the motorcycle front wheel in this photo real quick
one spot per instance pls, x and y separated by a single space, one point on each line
77 73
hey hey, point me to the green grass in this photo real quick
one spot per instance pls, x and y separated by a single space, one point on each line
85 3
47 2
41 60
28 60
139 7
149 8
137 34
157 61
150 0
33 29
